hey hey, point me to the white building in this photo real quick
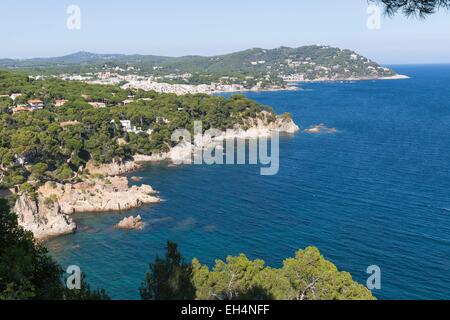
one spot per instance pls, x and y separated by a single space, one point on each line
14 96
98 105
127 127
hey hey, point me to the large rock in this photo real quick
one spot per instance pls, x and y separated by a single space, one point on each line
182 153
48 215
100 195
112 169
131 223
321 128
286 125
153 158
43 218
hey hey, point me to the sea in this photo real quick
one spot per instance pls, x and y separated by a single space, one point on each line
374 192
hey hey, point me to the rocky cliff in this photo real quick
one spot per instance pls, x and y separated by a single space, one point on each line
99 195
49 215
43 218
113 169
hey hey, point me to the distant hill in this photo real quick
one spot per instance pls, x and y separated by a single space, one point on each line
273 66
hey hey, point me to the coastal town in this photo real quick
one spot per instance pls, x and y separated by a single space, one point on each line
250 70
224 156
161 84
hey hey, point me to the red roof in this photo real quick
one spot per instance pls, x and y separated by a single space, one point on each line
21 108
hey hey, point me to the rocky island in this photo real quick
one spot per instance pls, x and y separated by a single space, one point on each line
131 223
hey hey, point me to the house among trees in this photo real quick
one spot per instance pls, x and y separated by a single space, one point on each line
127 101
35 104
98 105
14 96
127 127
20 108
162 120
60 102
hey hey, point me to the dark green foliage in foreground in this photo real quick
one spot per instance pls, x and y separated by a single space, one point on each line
169 278
307 276
26 269
28 272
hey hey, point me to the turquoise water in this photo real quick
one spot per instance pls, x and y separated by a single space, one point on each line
375 193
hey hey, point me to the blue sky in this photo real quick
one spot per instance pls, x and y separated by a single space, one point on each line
179 27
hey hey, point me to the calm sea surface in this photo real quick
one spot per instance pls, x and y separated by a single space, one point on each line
375 193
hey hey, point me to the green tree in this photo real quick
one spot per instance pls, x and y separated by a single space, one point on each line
38 170
230 280
169 278
307 276
419 8
26 269
64 173
314 278
26 272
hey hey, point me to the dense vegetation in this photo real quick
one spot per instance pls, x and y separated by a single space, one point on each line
420 8
54 143
249 67
26 269
307 276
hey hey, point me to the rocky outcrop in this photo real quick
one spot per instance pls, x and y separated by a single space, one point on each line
99 195
261 126
49 215
140 158
106 191
321 128
285 124
43 218
112 169
131 223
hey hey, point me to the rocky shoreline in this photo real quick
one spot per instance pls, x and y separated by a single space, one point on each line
48 214
394 77
182 89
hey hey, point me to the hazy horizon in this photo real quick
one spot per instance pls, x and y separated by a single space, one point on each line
176 28
224 53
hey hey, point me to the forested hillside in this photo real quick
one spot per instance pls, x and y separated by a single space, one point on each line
273 66
53 143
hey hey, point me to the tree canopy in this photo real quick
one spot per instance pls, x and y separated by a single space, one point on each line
420 8
169 278
307 276
54 143
27 271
